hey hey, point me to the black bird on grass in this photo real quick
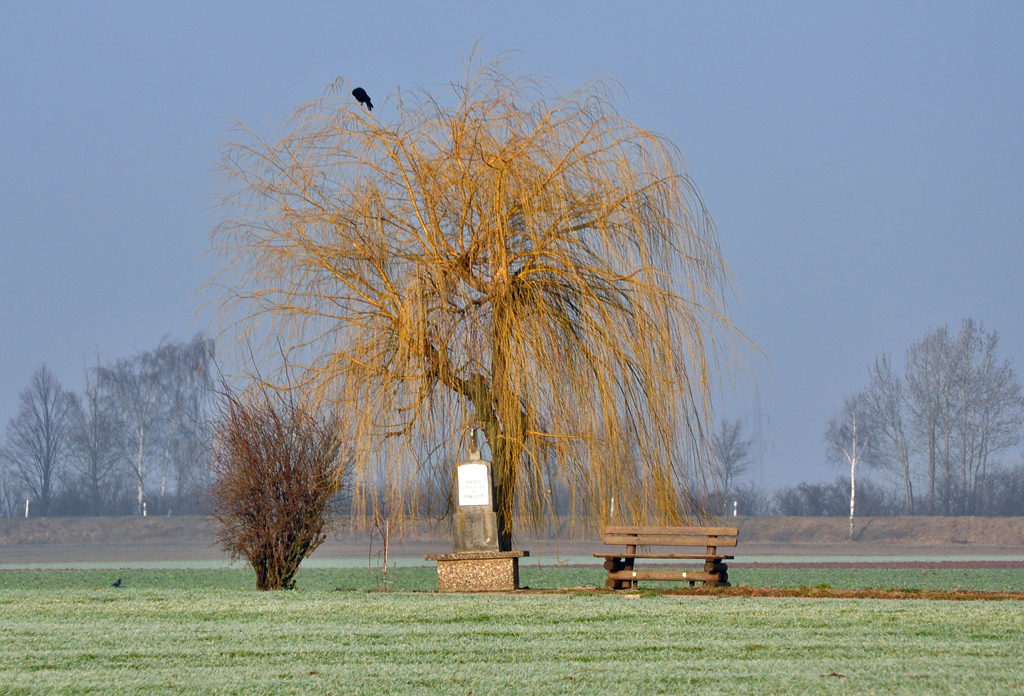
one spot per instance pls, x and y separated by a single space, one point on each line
362 97
116 584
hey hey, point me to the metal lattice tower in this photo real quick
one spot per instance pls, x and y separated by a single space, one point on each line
759 420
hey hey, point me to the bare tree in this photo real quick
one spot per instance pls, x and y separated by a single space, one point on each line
278 463
381 526
37 437
884 404
752 499
990 410
184 373
528 260
9 490
844 436
158 400
930 369
965 408
96 441
732 455
135 384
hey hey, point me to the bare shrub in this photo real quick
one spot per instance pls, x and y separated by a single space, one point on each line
752 500
277 463
832 499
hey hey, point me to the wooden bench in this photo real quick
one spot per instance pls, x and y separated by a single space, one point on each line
622 573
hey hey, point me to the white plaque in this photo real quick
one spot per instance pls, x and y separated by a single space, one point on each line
473 485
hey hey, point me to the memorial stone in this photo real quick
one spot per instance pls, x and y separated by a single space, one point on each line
474 524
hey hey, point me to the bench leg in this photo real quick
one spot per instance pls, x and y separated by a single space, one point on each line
613 565
721 569
628 565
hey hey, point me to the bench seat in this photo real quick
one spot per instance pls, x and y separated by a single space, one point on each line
662 555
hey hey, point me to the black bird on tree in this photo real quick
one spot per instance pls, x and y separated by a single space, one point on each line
117 583
362 97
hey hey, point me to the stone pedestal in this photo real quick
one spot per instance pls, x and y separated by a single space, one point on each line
477 571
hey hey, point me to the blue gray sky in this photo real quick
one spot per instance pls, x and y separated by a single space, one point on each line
864 164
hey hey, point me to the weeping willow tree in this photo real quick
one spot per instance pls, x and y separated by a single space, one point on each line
498 255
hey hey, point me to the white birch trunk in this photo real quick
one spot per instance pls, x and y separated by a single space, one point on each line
139 470
852 455
853 492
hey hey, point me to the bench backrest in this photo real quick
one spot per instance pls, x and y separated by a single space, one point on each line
711 537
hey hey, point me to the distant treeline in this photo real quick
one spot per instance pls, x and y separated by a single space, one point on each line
134 441
936 434
1004 497
930 440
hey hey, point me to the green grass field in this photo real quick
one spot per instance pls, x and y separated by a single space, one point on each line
208 631
425 579
245 642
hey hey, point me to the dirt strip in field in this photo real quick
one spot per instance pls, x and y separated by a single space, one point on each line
831 593
744 591
923 565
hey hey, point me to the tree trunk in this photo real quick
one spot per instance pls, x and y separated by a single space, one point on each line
946 471
140 471
853 491
163 477
908 490
931 471
504 471
961 509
